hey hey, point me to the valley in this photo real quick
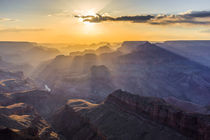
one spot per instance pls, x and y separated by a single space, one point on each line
140 90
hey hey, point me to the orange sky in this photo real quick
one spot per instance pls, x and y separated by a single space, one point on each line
54 22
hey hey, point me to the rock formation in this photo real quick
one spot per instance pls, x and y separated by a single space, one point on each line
125 116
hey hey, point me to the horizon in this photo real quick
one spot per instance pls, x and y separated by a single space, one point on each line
72 43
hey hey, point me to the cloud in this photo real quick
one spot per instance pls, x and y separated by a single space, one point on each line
197 14
206 31
6 19
64 13
189 17
99 18
22 30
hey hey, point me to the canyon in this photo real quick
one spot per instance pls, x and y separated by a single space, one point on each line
140 90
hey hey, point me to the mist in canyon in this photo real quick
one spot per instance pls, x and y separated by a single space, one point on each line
123 91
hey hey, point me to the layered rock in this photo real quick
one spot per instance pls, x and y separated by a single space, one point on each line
114 119
18 109
10 75
14 82
20 115
187 106
23 122
9 134
196 126
44 102
73 126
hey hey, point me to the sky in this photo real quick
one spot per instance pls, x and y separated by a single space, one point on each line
88 21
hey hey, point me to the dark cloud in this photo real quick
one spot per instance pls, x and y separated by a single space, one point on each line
100 18
197 14
135 18
194 17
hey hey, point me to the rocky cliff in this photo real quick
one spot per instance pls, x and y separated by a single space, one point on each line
196 126
122 116
22 122
23 108
73 126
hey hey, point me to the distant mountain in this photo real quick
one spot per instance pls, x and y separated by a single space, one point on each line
8 46
8 66
148 70
130 46
187 43
26 53
104 49
195 50
153 71
99 51
96 83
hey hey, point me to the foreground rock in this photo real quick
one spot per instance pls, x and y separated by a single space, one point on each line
73 126
21 108
196 126
124 116
21 122
20 116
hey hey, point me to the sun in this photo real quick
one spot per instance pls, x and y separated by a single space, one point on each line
86 27
88 23
90 12
81 20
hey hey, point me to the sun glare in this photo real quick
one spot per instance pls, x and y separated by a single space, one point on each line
88 23
90 12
